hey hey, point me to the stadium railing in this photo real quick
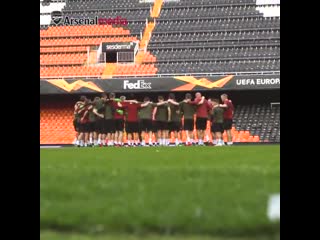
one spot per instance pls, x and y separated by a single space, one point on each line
168 75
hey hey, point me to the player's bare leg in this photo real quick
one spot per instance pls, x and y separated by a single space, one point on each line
214 141
167 137
200 136
116 137
176 137
86 139
218 138
129 139
143 136
76 138
120 138
160 141
164 137
229 137
95 138
150 137
90 138
135 138
80 139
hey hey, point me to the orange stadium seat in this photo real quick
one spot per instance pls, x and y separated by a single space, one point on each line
56 124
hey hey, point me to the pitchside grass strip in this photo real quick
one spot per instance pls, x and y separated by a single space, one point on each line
47 235
192 190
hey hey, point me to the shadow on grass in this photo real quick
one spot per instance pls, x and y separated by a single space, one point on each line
256 232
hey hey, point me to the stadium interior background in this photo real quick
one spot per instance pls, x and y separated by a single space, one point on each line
209 39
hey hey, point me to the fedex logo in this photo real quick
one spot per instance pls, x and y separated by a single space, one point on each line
140 84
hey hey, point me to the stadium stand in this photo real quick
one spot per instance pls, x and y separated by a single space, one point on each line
188 36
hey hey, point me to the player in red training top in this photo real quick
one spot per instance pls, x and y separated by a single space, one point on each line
132 123
203 109
228 116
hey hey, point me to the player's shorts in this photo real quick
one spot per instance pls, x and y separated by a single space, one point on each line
174 126
154 126
188 124
84 127
108 126
161 125
98 126
217 127
227 124
132 127
146 125
201 123
76 125
119 124
92 126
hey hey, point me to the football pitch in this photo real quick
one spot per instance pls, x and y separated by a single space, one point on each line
158 193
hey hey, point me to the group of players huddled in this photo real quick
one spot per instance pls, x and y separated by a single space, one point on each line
103 120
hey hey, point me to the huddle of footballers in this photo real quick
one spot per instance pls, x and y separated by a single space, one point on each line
103 121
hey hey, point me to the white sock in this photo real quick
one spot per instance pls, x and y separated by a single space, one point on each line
90 140
150 141
177 141
143 143
129 142
77 142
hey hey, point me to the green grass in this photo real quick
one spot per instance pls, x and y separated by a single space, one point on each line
198 192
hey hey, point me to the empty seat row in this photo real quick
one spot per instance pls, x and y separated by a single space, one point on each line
216 53
208 36
218 66
127 15
85 30
208 12
103 4
44 50
84 41
136 70
208 2
55 59
214 24
71 71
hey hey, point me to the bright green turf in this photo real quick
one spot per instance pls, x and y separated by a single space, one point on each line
184 190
